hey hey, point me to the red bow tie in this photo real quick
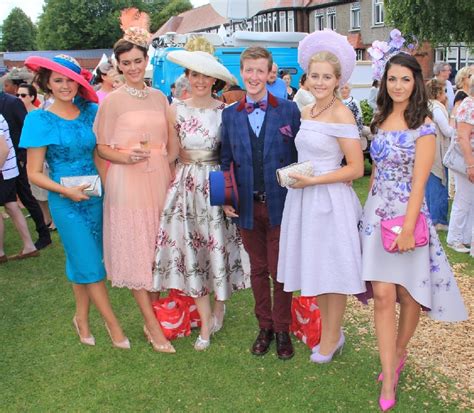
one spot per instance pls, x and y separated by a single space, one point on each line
250 107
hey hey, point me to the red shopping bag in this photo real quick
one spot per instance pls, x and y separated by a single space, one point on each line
306 320
173 315
194 318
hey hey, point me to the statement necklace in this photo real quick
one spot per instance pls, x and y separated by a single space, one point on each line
137 93
313 115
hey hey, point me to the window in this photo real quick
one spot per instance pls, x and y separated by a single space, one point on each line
260 24
264 20
319 20
359 54
355 15
291 21
378 11
282 16
332 18
269 22
255 24
275 22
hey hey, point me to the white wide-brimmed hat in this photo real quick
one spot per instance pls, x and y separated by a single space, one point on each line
202 62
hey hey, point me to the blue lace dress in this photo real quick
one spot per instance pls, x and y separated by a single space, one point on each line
70 145
425 272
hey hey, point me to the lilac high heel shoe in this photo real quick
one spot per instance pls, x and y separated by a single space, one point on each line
319 358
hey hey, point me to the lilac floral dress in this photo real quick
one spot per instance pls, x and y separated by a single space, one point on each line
199 250
425 272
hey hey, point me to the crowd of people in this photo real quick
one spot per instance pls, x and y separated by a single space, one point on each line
155 229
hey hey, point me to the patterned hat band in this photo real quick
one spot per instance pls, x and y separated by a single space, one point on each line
69 62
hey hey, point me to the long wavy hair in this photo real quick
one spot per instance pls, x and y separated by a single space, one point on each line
417 109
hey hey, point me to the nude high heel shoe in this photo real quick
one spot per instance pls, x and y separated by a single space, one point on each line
160 348
88 341
124 344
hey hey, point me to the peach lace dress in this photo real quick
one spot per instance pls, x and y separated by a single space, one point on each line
134 194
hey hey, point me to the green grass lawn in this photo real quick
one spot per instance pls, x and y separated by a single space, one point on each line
44 368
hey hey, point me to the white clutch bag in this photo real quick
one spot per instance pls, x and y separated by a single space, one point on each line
94 188
302 168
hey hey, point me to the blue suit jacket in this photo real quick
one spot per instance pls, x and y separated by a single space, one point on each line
279 150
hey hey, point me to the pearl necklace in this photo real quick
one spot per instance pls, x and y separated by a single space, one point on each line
323 109
137 93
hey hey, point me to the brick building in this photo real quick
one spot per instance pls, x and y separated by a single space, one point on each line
362 21
88 59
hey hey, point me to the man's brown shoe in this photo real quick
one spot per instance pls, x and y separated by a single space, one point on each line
262 343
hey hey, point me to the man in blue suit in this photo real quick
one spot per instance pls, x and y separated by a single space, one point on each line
258 138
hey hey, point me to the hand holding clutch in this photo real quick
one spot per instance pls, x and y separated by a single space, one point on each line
93 188
302 168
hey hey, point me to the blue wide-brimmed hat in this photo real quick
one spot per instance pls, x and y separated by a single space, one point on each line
223 188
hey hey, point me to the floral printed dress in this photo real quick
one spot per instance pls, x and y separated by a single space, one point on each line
425 272
199 250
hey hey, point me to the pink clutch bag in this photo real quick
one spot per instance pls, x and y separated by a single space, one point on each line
391 228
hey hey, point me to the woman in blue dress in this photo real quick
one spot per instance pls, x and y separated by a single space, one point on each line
63 136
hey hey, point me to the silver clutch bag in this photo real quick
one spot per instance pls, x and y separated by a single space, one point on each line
302 168
95 185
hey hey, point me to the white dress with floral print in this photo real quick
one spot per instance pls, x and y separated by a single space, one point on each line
199 250
425 272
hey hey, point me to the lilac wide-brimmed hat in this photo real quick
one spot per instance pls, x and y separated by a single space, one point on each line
328 41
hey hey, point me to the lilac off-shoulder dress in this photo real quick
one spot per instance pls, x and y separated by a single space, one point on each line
425 272
320 248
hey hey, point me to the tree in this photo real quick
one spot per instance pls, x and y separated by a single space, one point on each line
167 10
81 24
436 21
85 24
19 32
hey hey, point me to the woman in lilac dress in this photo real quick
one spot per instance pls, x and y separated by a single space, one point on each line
320 252
403 152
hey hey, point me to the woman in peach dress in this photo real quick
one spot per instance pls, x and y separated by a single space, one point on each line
132 133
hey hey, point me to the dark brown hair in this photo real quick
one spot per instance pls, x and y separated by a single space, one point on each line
417 109
42 77
254 53
31 90
123 46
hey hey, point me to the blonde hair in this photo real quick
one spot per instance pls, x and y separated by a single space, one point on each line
461 75
471 86
200 44
332 60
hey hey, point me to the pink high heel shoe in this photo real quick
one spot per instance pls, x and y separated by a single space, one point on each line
398 371
124 344
88 341
387 404
319 358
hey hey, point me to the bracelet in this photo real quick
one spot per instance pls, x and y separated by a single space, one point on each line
470 166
